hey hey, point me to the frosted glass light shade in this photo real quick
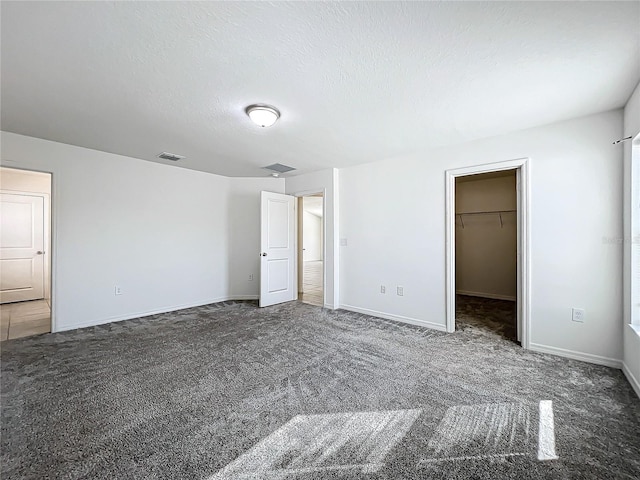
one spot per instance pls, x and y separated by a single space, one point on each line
263 115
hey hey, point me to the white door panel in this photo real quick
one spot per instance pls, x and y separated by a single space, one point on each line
277 244
21 247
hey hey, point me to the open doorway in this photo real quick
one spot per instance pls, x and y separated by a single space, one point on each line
25 246
486 253
311 249
489 219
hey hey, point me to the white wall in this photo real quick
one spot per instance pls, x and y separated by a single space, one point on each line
486 251
392 214
160 232
244 233
311 237
631 337
327 181
40 183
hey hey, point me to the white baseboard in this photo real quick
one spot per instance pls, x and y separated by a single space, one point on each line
242 297
119 318
635 384
584 357
397 318
486 295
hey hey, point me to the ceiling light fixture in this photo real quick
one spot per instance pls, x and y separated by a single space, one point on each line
263 115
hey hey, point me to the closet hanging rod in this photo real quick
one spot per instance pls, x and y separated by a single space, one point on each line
486 212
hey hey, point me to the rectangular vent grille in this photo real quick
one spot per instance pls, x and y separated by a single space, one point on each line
170 156
280 168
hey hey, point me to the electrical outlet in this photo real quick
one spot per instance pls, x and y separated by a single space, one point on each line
251 277
383 289
343 242
400 291
117 290
577 315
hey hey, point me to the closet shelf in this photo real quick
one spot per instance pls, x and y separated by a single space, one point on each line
487 212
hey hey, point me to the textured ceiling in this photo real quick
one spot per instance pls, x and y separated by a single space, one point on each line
355 82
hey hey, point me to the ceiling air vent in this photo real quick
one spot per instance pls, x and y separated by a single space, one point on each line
279 168
170 156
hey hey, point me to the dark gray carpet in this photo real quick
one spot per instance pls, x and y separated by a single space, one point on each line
231 391
498 316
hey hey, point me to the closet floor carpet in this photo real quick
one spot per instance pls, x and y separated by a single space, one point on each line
293 391
497 316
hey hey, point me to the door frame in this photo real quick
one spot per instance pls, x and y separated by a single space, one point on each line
521 166
51 223
309 193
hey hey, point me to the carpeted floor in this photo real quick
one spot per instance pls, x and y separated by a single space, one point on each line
231 391
491 315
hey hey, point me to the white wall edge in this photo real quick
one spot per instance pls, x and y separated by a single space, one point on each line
398 318
330 306
117 318
635 384
335 190
486 295
584 357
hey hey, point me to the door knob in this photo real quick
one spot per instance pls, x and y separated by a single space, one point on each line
39 252
264 254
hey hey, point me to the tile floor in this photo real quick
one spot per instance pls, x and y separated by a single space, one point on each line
22 319
312 283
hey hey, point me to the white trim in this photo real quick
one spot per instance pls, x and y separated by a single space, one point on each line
335 190
632 277
495 296
635 384
524 240
120 318
584 357
240 297
397 318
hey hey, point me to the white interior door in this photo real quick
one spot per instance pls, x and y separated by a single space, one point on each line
21 247
277 249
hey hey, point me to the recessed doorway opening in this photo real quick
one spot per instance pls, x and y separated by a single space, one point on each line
311 249
25 253
487 248
486 253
